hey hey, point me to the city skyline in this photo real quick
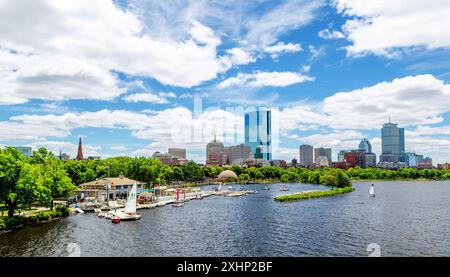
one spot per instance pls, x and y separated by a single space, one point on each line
330 78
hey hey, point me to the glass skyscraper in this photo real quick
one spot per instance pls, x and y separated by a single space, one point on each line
365 145
258 131
392 143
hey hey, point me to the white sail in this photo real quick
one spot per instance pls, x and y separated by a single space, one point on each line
371 191
130 207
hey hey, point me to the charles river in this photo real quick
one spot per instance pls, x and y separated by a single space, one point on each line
404 219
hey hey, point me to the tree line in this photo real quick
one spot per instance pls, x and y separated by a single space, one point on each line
43 177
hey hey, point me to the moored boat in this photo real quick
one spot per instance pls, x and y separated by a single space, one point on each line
129 212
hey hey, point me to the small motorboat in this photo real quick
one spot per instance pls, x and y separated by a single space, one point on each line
252 192
101 215
266 188
115 220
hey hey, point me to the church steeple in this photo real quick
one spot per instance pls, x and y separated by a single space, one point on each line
80 152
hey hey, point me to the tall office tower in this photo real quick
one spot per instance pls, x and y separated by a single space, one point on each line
323 152
365 145
392 143
215 153
258 131
306 155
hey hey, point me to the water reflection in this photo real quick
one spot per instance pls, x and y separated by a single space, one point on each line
405 219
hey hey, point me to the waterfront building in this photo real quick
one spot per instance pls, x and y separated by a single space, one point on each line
371 160
258 131
323 152
392 143
365 145
444 166
306 155
25 150
236 155
80 151
179 153
215 152
117 188
322 161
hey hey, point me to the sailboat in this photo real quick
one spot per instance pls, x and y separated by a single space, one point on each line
372 191
129 212
178 203
284 188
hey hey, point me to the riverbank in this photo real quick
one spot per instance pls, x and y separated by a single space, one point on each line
313 194
8 224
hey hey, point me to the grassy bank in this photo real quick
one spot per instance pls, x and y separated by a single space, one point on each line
10 223
314 194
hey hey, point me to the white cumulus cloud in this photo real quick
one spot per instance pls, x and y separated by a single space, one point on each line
385 27
260 79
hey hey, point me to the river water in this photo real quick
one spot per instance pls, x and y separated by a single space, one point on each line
404 219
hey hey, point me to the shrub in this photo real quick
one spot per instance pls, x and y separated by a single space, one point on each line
64 211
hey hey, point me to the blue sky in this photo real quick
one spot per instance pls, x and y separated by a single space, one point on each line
123 75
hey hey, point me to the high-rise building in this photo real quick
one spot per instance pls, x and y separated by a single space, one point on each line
323 152
80 152
306 155
238 154
179 153
392 143
365 145
25 150
258 131
215 152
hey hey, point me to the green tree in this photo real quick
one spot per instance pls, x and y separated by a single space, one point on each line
56 180
244 177
11 162
30 187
